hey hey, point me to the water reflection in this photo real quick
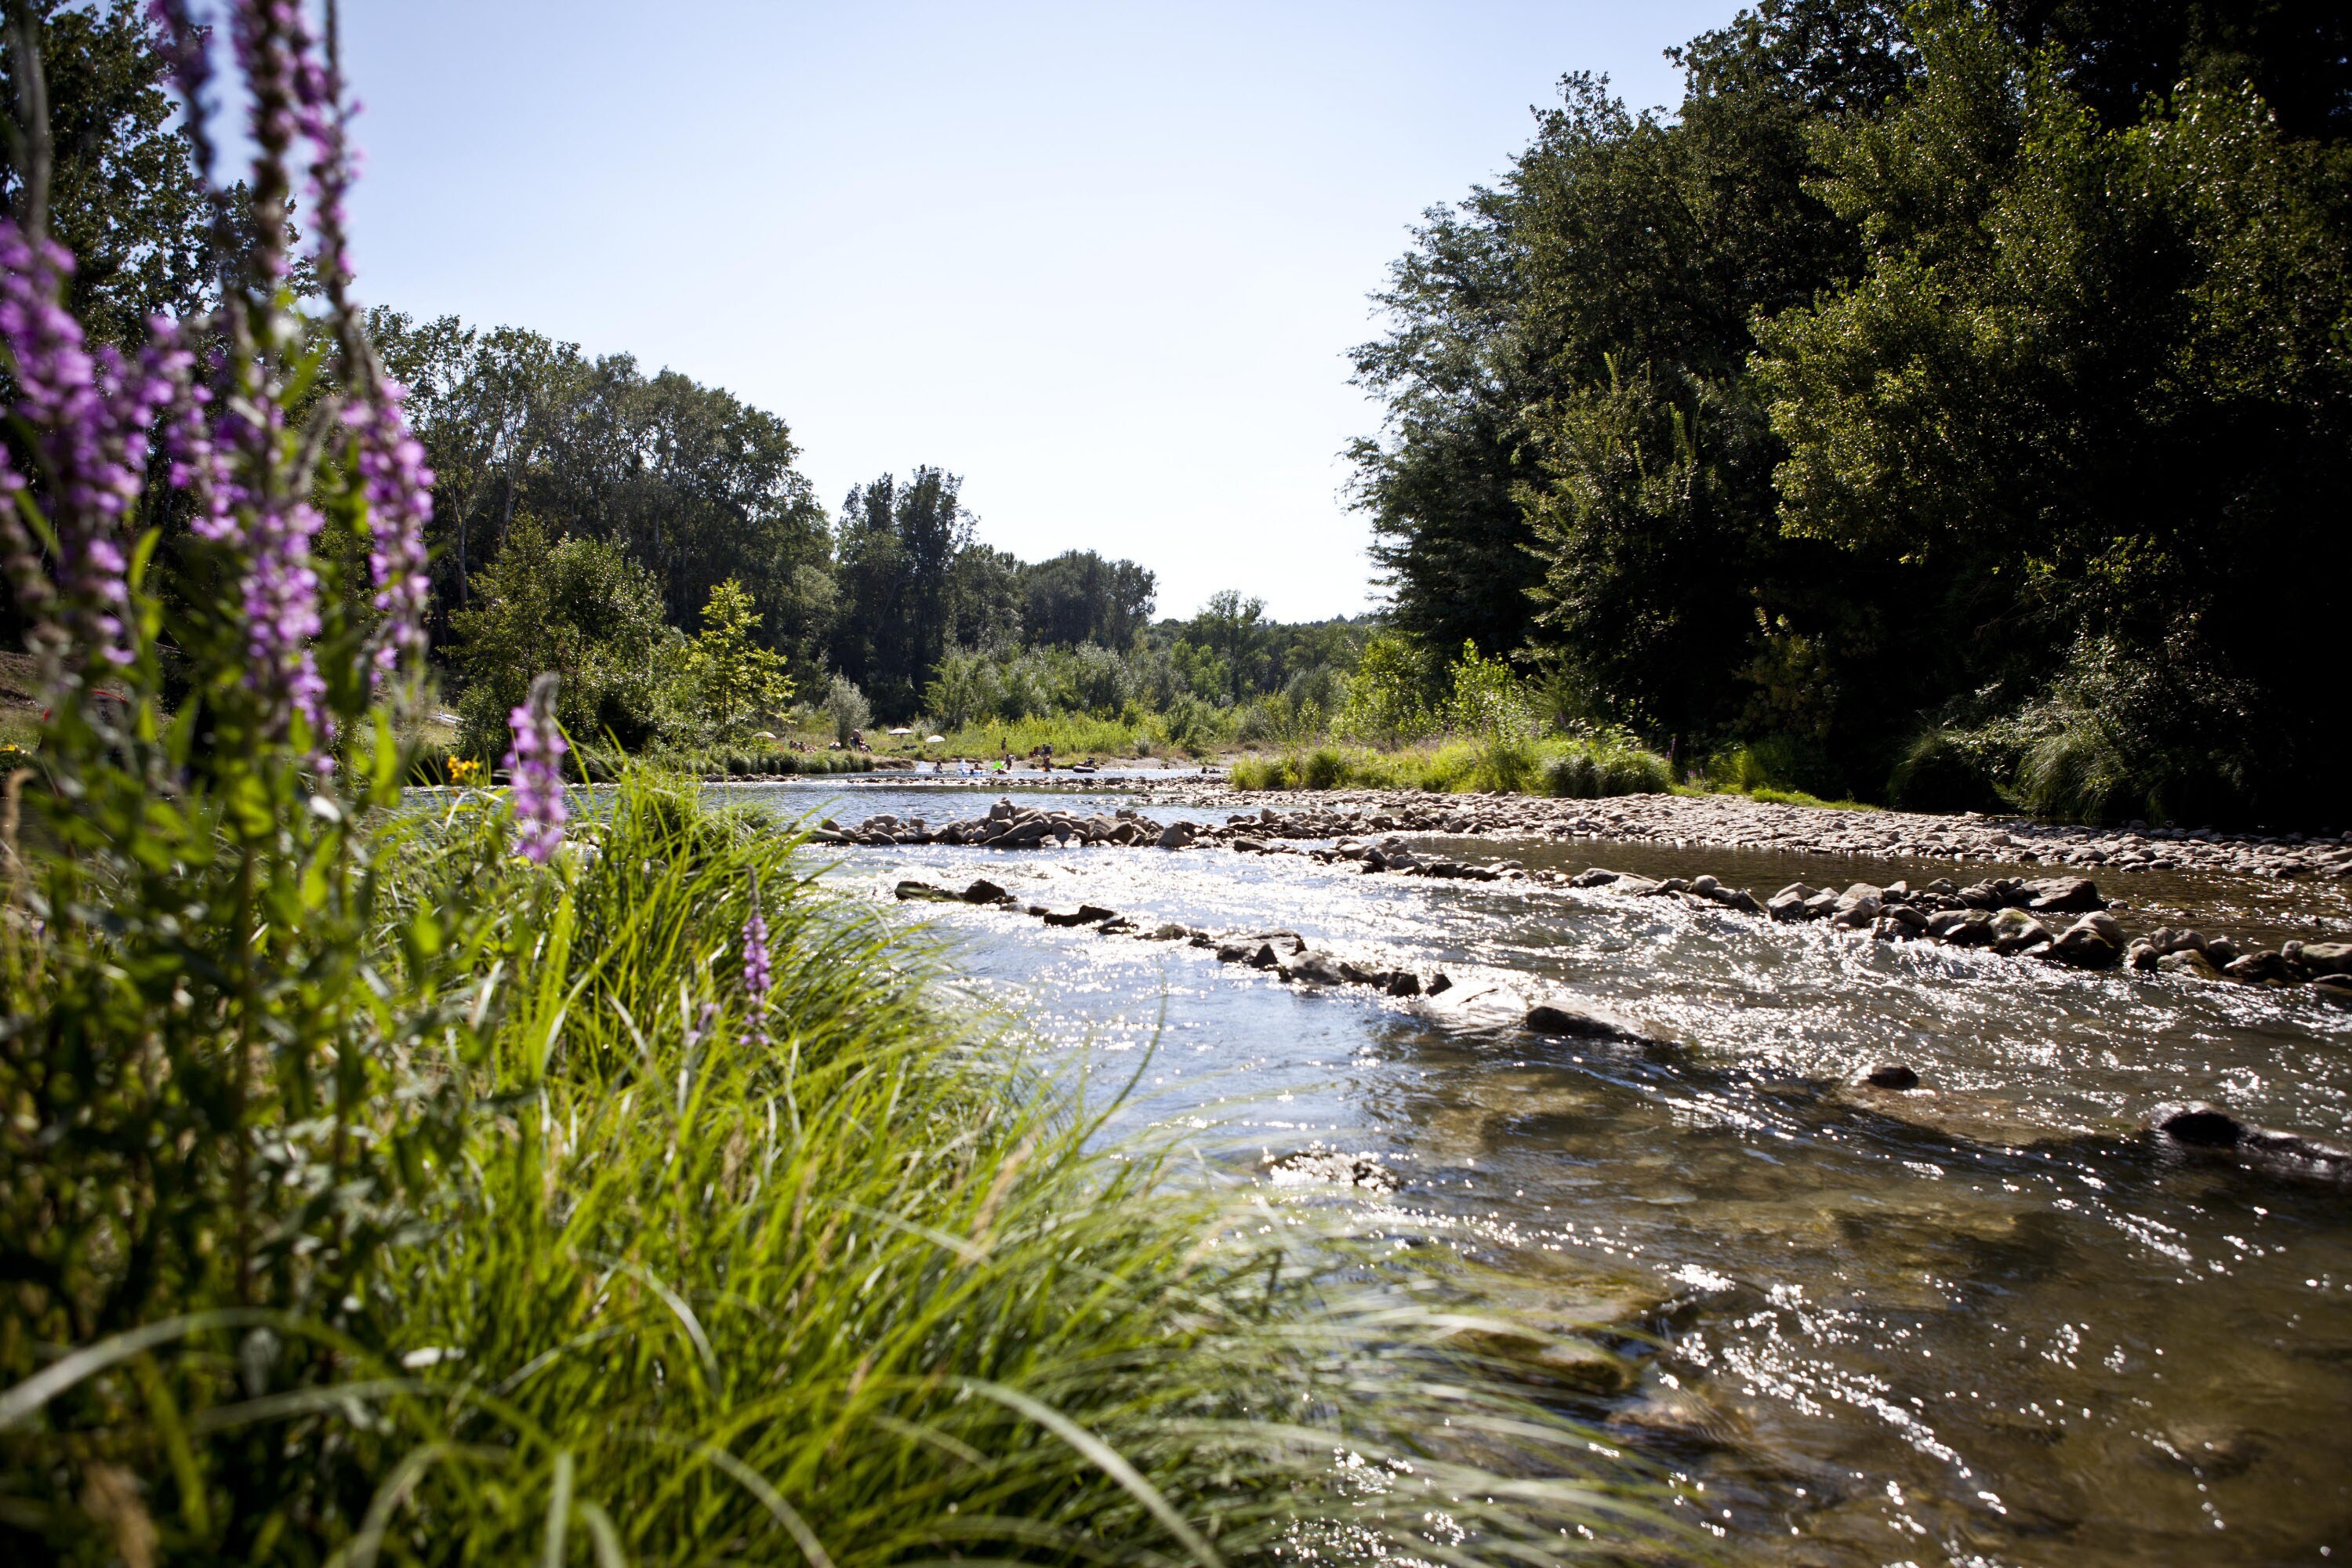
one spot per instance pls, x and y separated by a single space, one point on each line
1980 1323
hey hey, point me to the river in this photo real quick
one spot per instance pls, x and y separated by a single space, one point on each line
1984 1323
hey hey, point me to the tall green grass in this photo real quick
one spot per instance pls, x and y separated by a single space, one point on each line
603 765
1577 768
841 1280
1072 735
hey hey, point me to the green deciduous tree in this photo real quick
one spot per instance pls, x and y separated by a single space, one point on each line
734 679
2092 385
122 194
576 607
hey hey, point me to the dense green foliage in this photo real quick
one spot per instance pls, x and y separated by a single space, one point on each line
1951 402
577 607
122 194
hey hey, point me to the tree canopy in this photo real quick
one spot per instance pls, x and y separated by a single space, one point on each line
1962 385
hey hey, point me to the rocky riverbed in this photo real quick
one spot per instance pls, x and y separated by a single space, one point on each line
2060 918
1738 822
1884 1245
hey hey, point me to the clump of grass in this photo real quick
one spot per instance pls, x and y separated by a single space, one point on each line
1588 770
1799 797
1577 767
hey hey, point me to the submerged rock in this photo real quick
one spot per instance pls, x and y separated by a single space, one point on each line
2266 966
2198 1124
2065 895
1574 1021
2326 958
911 889
1857 907
2094 942
1894 1075
1961 928
1315 969
1578 1363
2190 961
2194 1126
1309 1166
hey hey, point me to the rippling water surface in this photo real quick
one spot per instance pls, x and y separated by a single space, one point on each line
1980 1323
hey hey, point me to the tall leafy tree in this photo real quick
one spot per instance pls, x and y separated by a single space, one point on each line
1080 597
123 193
577 607
2094 386
898 546
1620 244
1929 369
686 480
734 679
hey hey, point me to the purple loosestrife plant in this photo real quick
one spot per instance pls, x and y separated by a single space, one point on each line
536 765
212 1010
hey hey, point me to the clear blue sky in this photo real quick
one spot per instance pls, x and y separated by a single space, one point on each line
1105 260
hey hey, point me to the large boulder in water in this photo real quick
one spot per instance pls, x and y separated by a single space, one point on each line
2325 957
2063 895
1315 969
2094 942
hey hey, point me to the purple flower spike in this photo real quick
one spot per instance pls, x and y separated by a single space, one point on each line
281 611
400 503
756 980
90 417
537 770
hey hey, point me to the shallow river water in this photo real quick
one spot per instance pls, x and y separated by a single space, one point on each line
1983 1322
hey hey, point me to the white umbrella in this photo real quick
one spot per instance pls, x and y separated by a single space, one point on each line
934 740
902 730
